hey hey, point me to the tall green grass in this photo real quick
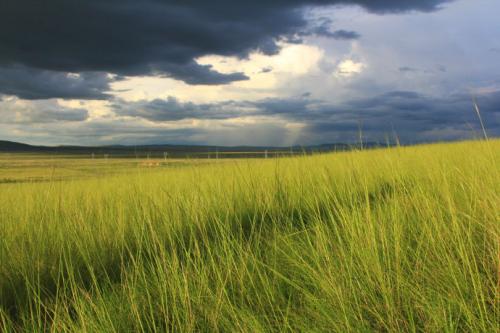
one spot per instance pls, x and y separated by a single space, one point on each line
397 240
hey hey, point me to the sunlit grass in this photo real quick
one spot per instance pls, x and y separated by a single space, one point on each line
401 239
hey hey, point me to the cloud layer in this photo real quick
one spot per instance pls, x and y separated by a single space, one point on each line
261 72
415 117
13 111
27 83
153 37
409 116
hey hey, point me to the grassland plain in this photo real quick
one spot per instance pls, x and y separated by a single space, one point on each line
399 240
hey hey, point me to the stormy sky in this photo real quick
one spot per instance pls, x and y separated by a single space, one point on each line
283 72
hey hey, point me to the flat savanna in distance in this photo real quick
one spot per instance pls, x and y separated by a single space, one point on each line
58 163
29 167
403 239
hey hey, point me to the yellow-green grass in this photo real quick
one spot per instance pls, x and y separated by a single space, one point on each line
401 240
44 167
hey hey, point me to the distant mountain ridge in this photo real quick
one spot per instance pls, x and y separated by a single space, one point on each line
172 150
14 146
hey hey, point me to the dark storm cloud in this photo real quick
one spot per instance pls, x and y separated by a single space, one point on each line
412 115
323 29
344 35
193 73
153 37
338 34
28 83
409 113
394 6
171 109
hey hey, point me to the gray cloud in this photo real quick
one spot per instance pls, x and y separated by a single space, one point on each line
323 29
442 68
394 6
171 109
14 112
407 69
337 34
411 114
32 84
414 117
153 37
193 73
136 132
344 35
431 71
266 70
164 38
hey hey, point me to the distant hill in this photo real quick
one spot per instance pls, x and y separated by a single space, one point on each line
15 146
175 150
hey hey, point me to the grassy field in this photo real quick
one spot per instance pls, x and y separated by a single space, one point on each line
25 168
398 240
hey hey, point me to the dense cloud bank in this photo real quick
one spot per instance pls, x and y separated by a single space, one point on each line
150 37
409 116
28 83
408 113
385 72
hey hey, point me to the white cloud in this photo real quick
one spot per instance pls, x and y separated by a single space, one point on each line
349 67
266 73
